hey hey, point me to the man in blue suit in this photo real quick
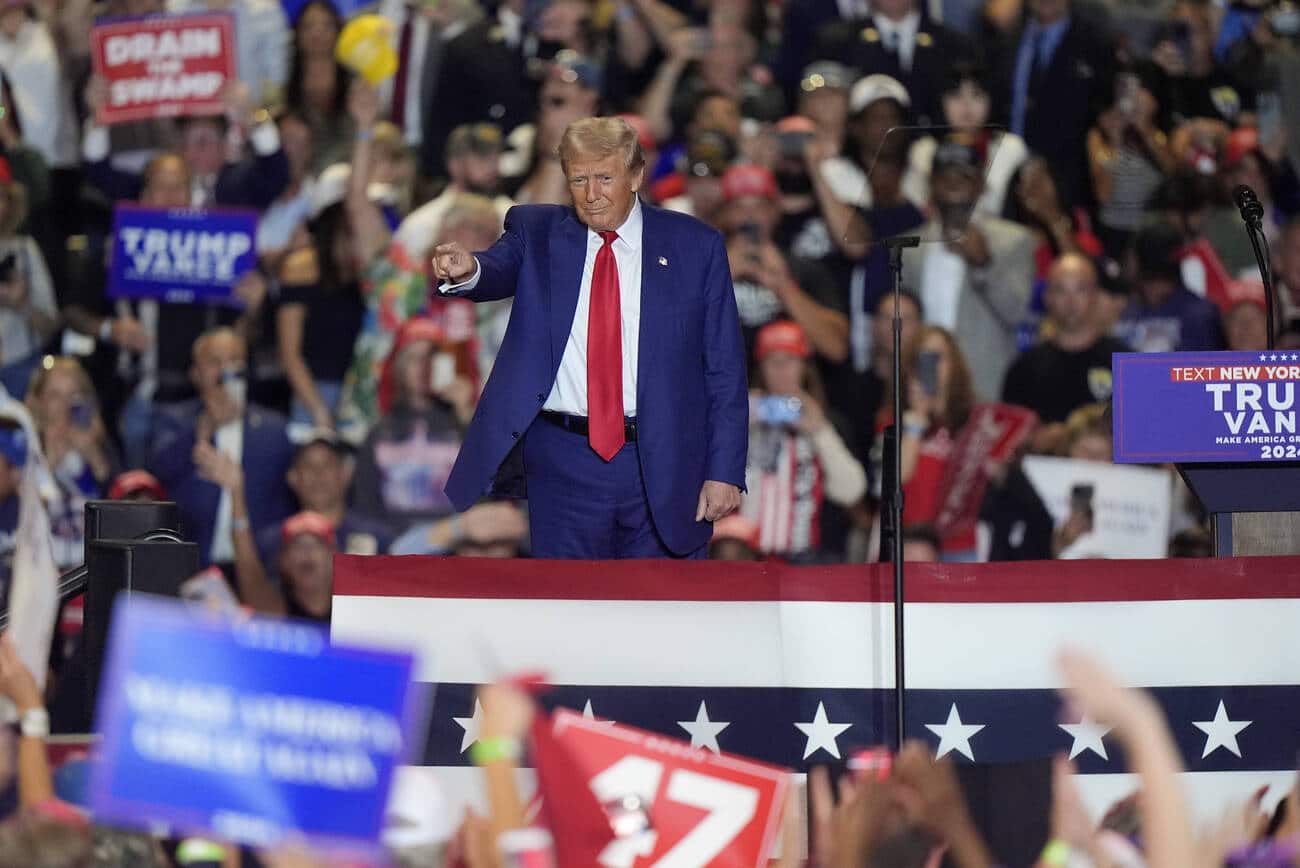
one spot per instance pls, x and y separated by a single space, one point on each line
253 436
619 392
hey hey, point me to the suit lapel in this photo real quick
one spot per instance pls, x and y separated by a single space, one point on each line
568 251
652 249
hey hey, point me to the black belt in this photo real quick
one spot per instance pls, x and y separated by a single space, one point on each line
580 425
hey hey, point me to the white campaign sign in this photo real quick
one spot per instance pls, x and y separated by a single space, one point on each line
1131 505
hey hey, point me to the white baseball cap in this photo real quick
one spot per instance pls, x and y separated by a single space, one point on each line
877 87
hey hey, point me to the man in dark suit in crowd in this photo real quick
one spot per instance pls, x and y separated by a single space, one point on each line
897 42
622 375
222 418
1052 74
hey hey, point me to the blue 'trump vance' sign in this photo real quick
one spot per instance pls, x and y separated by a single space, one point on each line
181 255
253 730
1206 407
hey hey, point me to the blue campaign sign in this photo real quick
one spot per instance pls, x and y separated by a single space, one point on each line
250 730
1206 407
345 8
181 255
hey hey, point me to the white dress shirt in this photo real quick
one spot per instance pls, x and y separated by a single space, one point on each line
900 33
569 392
230 440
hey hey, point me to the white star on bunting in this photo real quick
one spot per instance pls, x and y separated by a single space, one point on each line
1221 732
591 715
470 725
1087 735
821 733
704 732
954 735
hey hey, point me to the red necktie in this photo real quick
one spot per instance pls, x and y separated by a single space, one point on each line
605 355
403 68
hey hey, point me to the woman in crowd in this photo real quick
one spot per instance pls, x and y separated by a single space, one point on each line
796 459
426 401
318 84
938 396
63 407
1034 201
29 314
393 285
320 312
966 109
1128 156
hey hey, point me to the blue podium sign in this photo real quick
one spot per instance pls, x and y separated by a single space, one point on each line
252 730
1206 407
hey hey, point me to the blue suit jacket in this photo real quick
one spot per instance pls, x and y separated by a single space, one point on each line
267 453
692 404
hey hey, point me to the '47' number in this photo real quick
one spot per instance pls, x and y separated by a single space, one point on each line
730 807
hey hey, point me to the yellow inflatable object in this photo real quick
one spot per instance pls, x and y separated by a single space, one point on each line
365 47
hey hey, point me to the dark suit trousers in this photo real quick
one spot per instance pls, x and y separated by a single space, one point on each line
583 508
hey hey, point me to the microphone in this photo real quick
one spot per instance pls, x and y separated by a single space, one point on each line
1252 212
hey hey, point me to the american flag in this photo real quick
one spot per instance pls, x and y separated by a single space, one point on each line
794 665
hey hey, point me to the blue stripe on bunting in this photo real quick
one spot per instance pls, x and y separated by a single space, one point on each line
1018 724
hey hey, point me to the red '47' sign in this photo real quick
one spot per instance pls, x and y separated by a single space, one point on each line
673 806
163 66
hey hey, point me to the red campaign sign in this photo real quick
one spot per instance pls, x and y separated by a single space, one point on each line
674 806
993 434
163 66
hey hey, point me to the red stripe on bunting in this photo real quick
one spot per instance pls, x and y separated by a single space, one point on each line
1024 582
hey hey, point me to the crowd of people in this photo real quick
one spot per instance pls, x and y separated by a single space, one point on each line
1067 164
1071 194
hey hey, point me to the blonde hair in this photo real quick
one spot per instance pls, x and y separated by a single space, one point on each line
68 365
600 137
471 209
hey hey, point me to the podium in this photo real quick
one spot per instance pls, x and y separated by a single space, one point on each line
1228 423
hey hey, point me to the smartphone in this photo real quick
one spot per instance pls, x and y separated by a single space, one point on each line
1081 496
1127 86
779 409
8 264
442 370
235 381
1268 112
927 371
792 142
82 415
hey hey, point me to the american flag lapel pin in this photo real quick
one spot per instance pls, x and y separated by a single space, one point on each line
663 260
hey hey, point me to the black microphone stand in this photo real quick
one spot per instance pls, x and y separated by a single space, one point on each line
1252 214
894 457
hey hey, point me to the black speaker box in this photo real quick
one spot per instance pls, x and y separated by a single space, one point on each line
135 566
128 519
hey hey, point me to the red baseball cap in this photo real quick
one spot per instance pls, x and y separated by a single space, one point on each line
748 180
1241 142
311 523
782 336
136 482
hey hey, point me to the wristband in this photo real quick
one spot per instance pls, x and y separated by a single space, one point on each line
365 134
238 524
1056 854
914 429
34 723
499 749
